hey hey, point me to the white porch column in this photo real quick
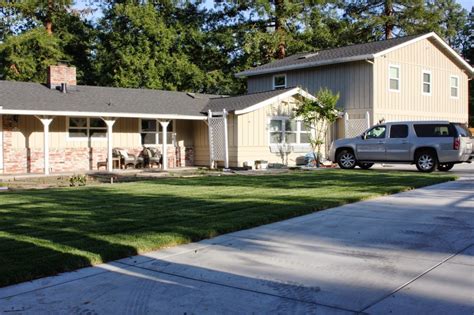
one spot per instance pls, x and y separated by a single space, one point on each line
46 121
1 143
110 123
164 150
226 140
209 131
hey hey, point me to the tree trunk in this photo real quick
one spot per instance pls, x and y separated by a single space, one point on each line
388 12
279 28
48 23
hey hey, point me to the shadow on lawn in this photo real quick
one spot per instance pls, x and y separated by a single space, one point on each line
358 180
65 229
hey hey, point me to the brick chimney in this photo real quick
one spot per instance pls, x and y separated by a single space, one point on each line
61 74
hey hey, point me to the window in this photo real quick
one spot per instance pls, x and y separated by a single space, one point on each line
394 78
434 130
279 81
454 86
284 130
151 132
426 83
398 131
378 132
85 128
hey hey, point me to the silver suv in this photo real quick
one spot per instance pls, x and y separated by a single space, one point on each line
428 144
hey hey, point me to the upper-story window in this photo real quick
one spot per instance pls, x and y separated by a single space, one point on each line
426 83
454 86
85 128
394 78
279 81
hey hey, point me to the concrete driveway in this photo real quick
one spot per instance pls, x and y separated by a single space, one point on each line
410 253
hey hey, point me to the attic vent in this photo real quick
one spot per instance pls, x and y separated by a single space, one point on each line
309 55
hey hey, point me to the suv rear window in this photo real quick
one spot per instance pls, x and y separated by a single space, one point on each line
399 131
462 130
434 130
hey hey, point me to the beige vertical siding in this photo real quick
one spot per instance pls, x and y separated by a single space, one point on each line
201 143
253 134
352 80
29 133
410 103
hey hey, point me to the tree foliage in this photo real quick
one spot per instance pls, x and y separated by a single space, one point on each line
318 115
184 45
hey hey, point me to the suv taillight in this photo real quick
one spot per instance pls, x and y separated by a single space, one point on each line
456 143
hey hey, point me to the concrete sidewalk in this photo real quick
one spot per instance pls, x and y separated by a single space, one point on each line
410 253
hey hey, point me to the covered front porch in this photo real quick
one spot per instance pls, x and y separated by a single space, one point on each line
56 143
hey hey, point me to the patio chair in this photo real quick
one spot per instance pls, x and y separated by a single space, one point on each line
127 160
154 157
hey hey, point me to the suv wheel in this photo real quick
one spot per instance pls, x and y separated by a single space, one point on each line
426 161
346 159
365 166
445 167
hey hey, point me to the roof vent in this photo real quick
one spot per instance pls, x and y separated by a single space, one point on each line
193 95
64 87
309 55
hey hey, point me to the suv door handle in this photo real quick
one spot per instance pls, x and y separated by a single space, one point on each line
381 142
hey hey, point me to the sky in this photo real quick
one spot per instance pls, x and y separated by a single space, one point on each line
467 4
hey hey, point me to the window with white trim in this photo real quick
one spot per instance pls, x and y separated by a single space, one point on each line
279 81
151 132
454 86
426 82
285 130
85 128
394 78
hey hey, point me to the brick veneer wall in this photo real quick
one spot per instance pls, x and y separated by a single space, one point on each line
30 160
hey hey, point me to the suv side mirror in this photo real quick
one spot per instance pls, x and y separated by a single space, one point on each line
363 136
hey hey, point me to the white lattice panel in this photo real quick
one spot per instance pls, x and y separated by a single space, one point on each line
217 138
355 127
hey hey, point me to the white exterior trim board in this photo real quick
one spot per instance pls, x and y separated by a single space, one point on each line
275 99
97 114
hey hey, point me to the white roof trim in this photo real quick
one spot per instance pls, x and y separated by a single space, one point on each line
303 65
274 99
362 57
439 40
96 114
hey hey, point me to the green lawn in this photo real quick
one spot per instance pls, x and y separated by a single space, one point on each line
43 232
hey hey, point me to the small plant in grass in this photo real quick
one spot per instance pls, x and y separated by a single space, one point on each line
77 180
318 115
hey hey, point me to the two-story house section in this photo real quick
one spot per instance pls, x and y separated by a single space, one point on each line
408 78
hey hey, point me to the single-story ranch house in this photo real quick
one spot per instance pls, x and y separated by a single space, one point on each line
61 126
407 78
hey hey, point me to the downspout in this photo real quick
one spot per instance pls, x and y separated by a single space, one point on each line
1 142
372 96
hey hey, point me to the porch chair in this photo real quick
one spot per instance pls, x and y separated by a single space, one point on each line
154 156
127 159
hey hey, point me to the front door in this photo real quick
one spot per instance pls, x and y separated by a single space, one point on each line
397 145
372 146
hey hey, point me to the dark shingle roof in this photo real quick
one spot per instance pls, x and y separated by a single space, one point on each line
35 96
328 56
95 99
242 101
